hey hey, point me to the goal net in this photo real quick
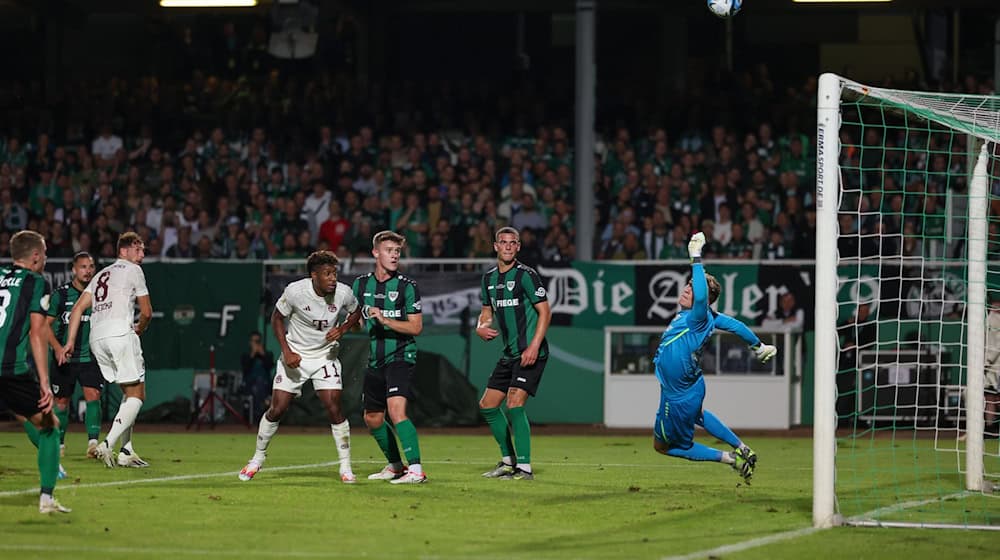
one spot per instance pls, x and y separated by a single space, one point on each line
908 242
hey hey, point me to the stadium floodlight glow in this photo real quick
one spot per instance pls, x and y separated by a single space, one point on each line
208 3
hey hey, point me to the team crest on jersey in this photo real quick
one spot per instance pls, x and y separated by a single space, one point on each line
510 285
393 296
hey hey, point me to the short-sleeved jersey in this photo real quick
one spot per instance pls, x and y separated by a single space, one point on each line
311 316
22 292
114 290
63 299
398 298
513 296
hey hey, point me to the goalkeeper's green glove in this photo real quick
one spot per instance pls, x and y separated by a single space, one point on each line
764 352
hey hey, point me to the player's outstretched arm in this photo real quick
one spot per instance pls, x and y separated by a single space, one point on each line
75 316
699 285
484 328
764 352
291 359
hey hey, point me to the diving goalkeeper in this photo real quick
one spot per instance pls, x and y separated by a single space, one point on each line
678 369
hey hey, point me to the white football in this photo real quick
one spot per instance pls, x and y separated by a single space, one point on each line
725 8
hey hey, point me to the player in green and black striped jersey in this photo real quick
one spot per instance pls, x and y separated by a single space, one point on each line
81 366
390 305
514 299
24 300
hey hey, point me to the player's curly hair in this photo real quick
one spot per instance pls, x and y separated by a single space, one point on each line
714 288
321 258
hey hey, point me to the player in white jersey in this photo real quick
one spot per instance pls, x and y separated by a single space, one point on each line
319 310
114 340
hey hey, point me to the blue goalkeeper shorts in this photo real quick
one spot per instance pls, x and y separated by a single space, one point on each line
677 417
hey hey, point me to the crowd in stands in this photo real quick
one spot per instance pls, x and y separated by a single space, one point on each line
257 169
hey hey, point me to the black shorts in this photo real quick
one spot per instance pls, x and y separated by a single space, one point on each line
392 380
509 373
65 377
21 393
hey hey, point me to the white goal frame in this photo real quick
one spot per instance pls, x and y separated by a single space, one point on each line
828 192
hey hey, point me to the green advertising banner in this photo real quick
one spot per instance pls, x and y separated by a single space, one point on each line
197 306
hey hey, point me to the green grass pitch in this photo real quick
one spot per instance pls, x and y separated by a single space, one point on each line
594 497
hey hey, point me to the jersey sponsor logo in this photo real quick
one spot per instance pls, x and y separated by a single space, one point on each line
320 324
509 302
540 292
393 295
392 313
64 318
11 282
510 285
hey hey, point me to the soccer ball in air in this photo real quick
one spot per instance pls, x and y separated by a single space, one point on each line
725 8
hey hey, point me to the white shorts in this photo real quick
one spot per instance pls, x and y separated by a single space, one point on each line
324 374
120 359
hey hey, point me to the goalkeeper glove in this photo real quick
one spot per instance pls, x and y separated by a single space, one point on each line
695 245
764 352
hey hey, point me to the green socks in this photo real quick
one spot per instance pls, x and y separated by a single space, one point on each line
48 459
386 442
63 416
501 431
522 434
408 437
32 432
93 419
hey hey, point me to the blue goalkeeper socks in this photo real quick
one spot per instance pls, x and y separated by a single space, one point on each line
697 452
714 426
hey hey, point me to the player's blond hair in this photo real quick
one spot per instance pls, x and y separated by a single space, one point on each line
507 229
129 239
24 242
387 235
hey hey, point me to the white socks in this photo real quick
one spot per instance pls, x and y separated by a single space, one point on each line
342 437
124 420
508 460
265 432
526 467
727 458
415 468
127 440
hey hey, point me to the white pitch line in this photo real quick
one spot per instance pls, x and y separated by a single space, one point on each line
132 482
806 531
746 545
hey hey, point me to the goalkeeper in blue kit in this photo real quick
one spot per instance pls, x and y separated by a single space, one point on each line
678 369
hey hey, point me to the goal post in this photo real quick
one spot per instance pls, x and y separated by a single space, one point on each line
904 248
